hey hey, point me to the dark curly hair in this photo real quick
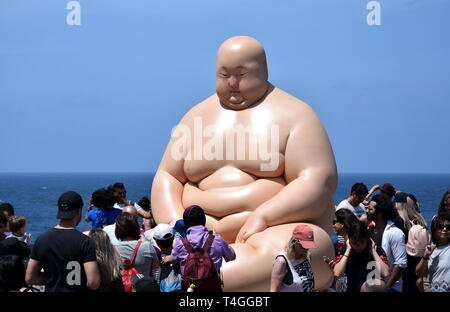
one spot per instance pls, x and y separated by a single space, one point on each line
103 199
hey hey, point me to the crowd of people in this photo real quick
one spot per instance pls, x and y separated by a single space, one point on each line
118 254
383 245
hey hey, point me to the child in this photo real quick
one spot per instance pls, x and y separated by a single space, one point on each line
18 228
100 211
170 274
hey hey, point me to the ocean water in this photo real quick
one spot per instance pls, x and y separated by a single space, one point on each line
34 195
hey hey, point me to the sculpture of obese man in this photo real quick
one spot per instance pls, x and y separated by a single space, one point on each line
258 161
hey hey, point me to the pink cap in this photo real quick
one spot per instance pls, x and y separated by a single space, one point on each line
305 235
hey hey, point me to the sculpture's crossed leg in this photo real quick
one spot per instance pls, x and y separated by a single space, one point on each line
251 271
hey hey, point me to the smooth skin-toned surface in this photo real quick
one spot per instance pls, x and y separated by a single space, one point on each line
252 199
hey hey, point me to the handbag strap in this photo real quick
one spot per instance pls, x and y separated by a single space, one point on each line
135 251
133 256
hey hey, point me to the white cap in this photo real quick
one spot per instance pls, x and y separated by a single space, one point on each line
163 232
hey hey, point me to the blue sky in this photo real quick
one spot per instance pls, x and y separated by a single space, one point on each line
105 95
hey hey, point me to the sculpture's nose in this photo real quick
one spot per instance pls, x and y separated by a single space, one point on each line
233 82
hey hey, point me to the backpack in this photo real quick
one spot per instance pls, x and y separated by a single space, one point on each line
129 270
418 239
170 278
199 268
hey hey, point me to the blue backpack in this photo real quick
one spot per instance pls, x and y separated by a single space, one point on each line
170 278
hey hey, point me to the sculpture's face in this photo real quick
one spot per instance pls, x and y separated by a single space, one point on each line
240 81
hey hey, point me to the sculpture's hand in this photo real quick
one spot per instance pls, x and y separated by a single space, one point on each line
254 224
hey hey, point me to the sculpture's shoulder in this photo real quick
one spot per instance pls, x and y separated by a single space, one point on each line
207 107
290 107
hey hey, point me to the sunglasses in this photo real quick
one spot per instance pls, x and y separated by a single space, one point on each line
442 226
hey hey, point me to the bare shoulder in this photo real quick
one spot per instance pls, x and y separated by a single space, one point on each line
206 107
293 109
280 262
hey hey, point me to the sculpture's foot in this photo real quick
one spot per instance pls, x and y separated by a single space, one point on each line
252 269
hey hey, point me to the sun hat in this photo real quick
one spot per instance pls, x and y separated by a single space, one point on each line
305 235
388 188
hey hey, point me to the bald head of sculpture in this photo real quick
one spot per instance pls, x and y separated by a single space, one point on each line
241 72
131 210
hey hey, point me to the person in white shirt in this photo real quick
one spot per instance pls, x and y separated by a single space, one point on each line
353 203
391 239
292 271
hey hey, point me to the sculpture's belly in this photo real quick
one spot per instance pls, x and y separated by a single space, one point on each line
228 196
227 176
230 190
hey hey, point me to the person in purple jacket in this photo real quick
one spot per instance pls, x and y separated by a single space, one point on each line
197 233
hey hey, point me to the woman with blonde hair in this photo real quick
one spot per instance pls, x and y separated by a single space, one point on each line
107 259
407 208
416 237
292 271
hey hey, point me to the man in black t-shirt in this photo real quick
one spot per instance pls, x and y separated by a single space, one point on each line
66 255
